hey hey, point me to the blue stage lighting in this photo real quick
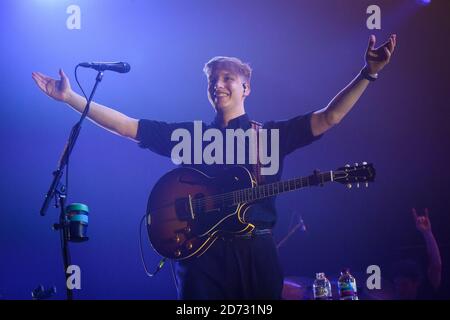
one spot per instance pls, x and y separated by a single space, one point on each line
424 2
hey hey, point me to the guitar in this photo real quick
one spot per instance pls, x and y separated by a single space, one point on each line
188 210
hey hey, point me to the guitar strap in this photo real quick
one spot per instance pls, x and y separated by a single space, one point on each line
257 167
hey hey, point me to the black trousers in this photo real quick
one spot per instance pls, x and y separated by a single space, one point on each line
232 268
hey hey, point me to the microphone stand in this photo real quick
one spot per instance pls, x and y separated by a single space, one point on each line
59 191
300 225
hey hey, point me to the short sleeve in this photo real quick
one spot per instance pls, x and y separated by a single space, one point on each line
156 135
294 133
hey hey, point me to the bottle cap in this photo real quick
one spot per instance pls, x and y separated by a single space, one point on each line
345 270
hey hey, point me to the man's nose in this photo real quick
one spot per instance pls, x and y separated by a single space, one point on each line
218 84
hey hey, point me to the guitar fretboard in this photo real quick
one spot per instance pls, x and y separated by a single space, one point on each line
262 191
273 189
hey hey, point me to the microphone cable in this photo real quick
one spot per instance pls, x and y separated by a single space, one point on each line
78 82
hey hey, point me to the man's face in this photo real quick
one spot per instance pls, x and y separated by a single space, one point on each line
226 90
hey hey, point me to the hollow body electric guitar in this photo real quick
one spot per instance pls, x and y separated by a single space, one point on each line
188 210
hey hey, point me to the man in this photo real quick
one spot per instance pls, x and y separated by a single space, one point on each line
244 267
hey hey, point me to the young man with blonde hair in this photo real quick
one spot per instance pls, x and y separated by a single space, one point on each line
235 267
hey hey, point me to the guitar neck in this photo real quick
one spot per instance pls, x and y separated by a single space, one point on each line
347 175
273 189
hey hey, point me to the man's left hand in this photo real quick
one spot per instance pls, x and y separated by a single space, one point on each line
378 58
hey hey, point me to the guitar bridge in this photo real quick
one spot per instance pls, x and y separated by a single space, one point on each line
184 208
190 208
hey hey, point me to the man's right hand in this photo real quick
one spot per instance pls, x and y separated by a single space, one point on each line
57 89
103 116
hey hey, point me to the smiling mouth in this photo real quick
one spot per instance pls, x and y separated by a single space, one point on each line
220 95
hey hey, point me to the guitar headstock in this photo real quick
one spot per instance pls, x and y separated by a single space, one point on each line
356 174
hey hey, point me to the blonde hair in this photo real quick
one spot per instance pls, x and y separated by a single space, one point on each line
228 63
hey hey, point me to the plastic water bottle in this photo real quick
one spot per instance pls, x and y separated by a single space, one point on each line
347 286
322 287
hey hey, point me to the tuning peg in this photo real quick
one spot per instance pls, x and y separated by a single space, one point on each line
349 185
357 185
364 163
367 184
347 166
356 164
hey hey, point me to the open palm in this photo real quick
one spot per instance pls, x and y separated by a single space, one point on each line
56 89
378 58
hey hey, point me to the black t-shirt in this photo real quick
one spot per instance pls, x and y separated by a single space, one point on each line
293 134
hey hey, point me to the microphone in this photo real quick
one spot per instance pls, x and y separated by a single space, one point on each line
121 67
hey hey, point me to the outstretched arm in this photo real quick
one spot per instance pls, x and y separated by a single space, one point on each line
434 271
343 102
107 118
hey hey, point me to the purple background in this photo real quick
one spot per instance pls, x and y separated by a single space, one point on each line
302 53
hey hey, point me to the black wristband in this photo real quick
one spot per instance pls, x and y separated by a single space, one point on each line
367 76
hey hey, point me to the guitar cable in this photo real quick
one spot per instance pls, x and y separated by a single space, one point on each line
175 280
161 262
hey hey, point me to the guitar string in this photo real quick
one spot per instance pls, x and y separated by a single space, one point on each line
203 202
249 192
230 195
281 185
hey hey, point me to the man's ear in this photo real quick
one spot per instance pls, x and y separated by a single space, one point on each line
246 89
